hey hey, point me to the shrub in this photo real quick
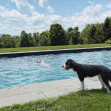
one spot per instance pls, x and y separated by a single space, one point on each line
108 42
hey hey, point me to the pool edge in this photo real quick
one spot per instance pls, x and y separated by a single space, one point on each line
34 92
44 52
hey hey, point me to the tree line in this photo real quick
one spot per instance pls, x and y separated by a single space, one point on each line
56 35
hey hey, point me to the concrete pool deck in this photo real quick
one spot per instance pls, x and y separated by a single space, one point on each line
24 94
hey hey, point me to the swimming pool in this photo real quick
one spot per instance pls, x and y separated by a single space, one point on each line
24 70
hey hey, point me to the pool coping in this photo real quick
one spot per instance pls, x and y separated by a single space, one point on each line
44 52
53 89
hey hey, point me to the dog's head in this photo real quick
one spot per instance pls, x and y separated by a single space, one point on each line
68 64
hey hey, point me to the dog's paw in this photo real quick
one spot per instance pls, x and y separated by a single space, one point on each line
109 92
81 89
86 89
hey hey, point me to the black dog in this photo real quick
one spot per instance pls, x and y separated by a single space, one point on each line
82 71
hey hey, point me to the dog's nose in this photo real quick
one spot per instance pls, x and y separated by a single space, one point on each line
62 66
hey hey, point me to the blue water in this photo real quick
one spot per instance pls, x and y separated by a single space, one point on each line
24 70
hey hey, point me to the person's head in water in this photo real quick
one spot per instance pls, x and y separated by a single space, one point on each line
38 61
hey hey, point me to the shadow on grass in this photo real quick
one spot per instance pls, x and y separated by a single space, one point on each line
93 91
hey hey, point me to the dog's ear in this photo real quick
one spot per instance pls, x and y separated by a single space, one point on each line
69 63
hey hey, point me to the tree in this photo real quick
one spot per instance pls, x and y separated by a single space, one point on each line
30 41
73 35
36 38
99 33
26 40
88 35
70 29
107 28
44 39
84 35
7 41
23 36
0 42
91 36
57 35
17 40
76 35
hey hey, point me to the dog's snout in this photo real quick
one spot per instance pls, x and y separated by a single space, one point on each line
62 66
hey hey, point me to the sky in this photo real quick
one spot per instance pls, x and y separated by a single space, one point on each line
37 15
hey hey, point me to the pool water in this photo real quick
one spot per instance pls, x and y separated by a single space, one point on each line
24 70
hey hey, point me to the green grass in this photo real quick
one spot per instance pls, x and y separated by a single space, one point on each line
92 100
5 50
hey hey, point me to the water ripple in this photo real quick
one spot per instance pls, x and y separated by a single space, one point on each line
20 71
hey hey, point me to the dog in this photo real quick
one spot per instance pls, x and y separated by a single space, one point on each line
83 71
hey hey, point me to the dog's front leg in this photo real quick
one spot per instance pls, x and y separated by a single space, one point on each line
82 85
81 81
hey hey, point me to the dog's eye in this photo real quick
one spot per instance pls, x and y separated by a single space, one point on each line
68 63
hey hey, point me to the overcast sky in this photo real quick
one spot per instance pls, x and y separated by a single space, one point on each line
38 15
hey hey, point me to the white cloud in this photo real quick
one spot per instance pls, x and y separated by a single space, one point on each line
36 19
24 3
16 16
12 15
91 14
92 3
40 22
108 5
20 3
2 8
2 27
43 4
13 30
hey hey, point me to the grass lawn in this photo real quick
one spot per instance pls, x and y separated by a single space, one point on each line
4 50
92 100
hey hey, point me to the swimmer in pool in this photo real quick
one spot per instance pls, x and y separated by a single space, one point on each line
39 61
43 63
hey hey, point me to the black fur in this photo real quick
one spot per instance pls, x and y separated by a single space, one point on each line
84 71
